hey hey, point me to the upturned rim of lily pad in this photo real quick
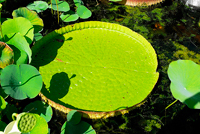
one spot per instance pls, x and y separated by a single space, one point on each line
89 114
140 2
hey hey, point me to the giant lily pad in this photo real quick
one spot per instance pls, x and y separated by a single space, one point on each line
185 82
95 67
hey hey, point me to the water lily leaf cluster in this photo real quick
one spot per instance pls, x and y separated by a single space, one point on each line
18 36
67 15
18 79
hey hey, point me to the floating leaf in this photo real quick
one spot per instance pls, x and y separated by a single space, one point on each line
38 6
83 12
40 108
74 117
185 82
62 5
74 125
108 67
69 16
2 1
7 55
37 36
21 81
78 2
21 48
14 26
32 16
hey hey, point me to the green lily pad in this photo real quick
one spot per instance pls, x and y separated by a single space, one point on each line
69 16
21 48
21 81
62 5
74 117
38 6
7 55
40 108
185 82
74 125
13 26
78 2
95 67
83 12
32 16
37 36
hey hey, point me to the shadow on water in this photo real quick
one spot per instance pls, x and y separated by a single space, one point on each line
48 51
59 87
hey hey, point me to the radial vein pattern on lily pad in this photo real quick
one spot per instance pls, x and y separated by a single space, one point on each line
95 67
185 82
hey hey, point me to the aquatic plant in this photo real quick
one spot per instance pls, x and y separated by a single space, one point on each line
67 15
100 63
74 125
21 81
184 76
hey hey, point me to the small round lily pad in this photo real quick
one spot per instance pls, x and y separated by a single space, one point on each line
21 81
